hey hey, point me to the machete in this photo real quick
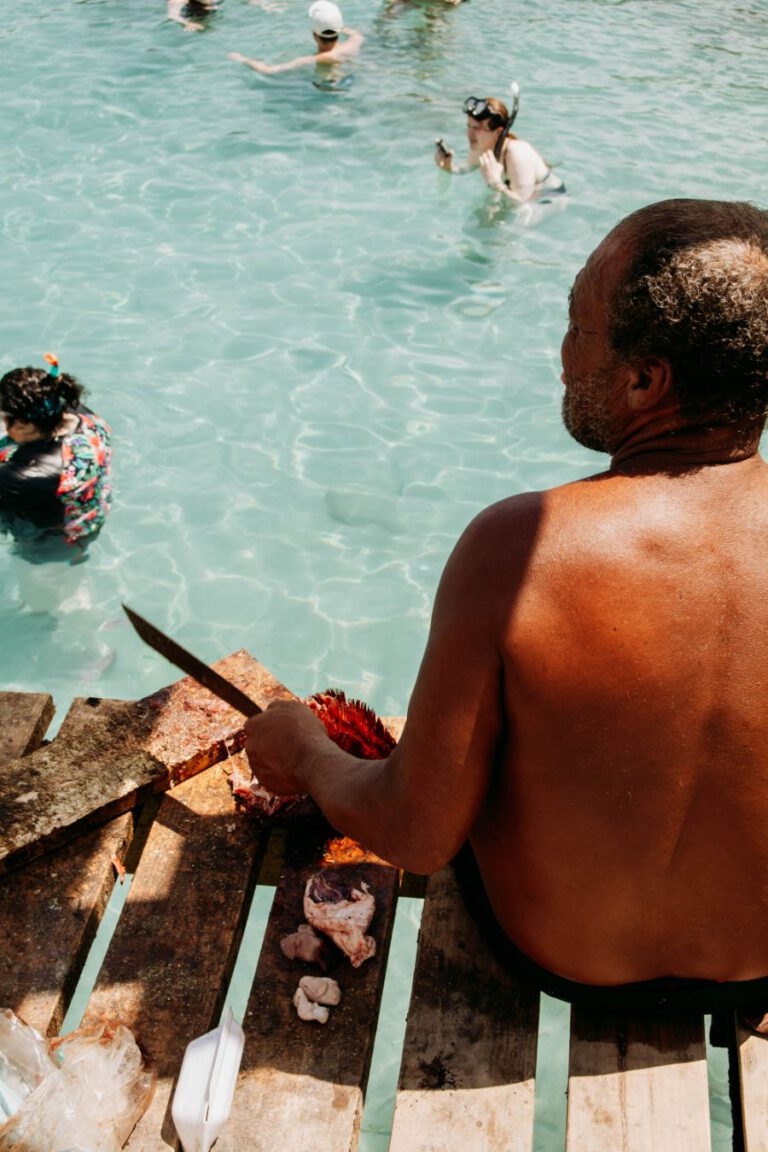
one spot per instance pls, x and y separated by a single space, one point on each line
190 664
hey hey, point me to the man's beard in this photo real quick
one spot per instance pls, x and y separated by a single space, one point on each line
585 411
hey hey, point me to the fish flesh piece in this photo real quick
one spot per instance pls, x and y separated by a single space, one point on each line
314 996
342 913
249 794
305 944
321 990
307 1009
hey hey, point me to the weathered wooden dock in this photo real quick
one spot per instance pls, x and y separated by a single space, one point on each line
467 1080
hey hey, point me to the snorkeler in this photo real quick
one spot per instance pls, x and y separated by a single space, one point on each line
55 459
327 26
181 10
509 165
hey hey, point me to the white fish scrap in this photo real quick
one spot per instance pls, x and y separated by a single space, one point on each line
321 990
341 913
307 1009
314 996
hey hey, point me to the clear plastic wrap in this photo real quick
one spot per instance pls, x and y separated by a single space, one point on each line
24 1062
92 1086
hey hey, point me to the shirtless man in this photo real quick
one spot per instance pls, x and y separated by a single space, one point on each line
327 26
590 712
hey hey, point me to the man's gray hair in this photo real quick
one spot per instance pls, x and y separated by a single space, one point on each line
696 292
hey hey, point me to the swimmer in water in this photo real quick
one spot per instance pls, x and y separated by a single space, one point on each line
509 165
181 10
399 3
327 26
54 459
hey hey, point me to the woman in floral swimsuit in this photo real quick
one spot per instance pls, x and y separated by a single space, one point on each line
55 459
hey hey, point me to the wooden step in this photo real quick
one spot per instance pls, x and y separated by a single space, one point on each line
112 754
49 911
637 1084
302 1084
469 1059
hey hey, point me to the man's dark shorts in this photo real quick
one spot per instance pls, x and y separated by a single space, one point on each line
665 995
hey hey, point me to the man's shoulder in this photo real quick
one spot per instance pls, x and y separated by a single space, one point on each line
532 525
527 508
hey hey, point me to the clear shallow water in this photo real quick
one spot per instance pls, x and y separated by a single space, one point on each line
320 356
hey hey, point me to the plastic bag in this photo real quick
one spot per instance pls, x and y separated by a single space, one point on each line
24 1062
88 1096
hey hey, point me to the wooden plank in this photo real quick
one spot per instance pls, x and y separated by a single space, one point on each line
302 1084
169 962
753 1079
49 912
469 1058
637 1084
24 720
113 754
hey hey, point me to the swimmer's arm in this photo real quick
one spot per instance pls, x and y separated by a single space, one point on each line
272 69
174 10
352 44
445 160
520 168
416 807
493 173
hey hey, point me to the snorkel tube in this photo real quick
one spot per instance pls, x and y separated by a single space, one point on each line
515 90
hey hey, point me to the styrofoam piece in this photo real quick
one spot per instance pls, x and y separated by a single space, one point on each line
206 1085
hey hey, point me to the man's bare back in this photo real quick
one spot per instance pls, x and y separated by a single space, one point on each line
635 665
589 711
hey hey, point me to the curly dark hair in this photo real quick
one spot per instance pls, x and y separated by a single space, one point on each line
696 292
37 397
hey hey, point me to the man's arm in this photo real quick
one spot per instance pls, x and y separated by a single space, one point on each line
351 45
272 69
415 808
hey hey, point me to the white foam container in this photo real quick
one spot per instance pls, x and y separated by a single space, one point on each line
206 1085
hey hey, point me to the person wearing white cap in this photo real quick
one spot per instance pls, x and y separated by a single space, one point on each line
327 25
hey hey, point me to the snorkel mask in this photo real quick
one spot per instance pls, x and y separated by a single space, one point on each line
478 108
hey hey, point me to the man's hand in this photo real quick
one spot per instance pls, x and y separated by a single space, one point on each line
279 745
492 170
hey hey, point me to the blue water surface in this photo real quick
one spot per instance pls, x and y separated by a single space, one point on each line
320 356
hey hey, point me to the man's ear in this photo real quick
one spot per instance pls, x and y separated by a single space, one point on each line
649 383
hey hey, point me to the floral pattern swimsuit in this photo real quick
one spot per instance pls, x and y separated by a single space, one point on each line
84 490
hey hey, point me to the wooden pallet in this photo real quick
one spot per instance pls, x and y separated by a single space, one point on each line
467 1080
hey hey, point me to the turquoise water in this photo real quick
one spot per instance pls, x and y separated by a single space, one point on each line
320 356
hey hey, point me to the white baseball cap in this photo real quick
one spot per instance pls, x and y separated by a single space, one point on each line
326 18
